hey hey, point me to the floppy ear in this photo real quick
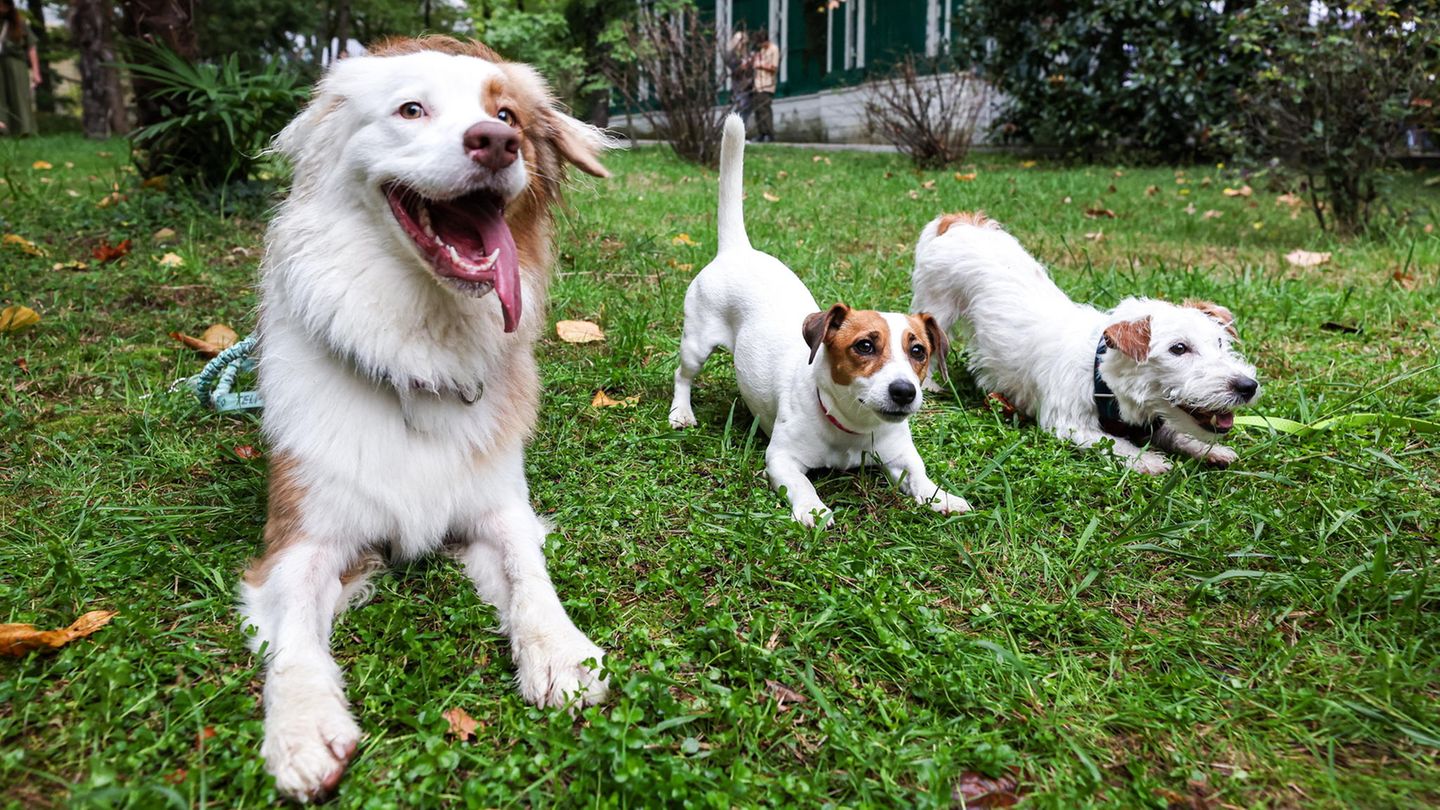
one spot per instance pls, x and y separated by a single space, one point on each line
819 324
1217 313
939 344
1132 338
580 143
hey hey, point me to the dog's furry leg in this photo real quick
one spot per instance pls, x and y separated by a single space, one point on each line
693 354
291 601
1135 457
784 471
908 471
1169 438
506 561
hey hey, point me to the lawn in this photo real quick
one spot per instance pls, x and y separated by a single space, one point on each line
1258 636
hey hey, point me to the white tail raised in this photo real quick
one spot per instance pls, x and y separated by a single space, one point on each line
731 215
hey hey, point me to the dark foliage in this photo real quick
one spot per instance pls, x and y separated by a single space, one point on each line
928 109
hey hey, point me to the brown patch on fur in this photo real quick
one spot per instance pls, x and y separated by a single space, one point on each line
1132 338
846 363
975 218
283 518
936 342
1219 314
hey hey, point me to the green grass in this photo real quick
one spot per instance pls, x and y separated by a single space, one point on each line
1259 636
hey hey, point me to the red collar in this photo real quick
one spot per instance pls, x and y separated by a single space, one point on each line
833 420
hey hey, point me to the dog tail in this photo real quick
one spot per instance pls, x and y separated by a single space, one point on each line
731 214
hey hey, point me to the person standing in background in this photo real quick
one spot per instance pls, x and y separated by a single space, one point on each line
742 75
767 67
19 72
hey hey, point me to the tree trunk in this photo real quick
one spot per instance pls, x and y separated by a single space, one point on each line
92 30
342 26
170 23
45 93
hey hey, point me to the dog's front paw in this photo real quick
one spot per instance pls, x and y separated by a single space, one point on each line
1150 463
945 503
553 672
811 514
1221 456
682 418
308 744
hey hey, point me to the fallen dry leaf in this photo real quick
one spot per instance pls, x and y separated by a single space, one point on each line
604 400
164 236
246 451
1099 213
1027 164
107 252
1006 407
113 198
1151 191
158 182
70 266
41 165
966 177
1095 236
214 340
819 159
16 317
578 332
22 364
22 244
1405 280
1288 199
1243 191
1190 209
18 639
1306 258
784 695
1212 214
782 174
171 260
683 239
770 197
977 790
928 184
462 725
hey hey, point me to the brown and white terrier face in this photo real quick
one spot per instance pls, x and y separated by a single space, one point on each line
876 360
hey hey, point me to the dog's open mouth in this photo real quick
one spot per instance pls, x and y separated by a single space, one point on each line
894 416
1213 421
466 241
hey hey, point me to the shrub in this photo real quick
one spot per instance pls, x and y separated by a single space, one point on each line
1333 95
218 117
928 110
666 59
1093 77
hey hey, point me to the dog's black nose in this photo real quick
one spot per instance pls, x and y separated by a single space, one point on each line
492 144
1245 387
902 393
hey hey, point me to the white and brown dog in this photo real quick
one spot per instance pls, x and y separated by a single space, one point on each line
402 290
1146 372
830 387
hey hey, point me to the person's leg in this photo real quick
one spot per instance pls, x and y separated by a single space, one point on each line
764 118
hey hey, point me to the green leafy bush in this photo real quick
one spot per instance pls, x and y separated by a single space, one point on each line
219 117
1332 96
1097 77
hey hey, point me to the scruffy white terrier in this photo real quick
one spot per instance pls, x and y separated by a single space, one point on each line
1147 372
830 387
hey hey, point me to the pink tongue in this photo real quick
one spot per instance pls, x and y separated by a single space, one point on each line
496 234
1225 421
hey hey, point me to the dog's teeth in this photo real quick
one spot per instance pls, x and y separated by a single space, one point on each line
454 254
425 221
492 258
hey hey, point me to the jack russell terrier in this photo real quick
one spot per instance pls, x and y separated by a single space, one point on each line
829 386
1146 372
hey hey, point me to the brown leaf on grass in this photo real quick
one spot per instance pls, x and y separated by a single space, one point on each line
928 184
211 342
1288 200
770 197
171 260
462 725
1406 281
978 790
914 195
22 364
1095 236
41 165
70 266
158 183
604 400
16 317
1007 408
164 236
107 252
966 177
1243 191
18 639
1099 213
683 239
246 451
1190 209
784 696
1151 191
113 198
578 332
22 244
1307 258
1212 214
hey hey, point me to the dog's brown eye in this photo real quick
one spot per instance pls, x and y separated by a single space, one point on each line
410 110
917 351
864 347
1179 349
507 117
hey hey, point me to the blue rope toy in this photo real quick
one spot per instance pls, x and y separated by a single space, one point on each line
213 384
